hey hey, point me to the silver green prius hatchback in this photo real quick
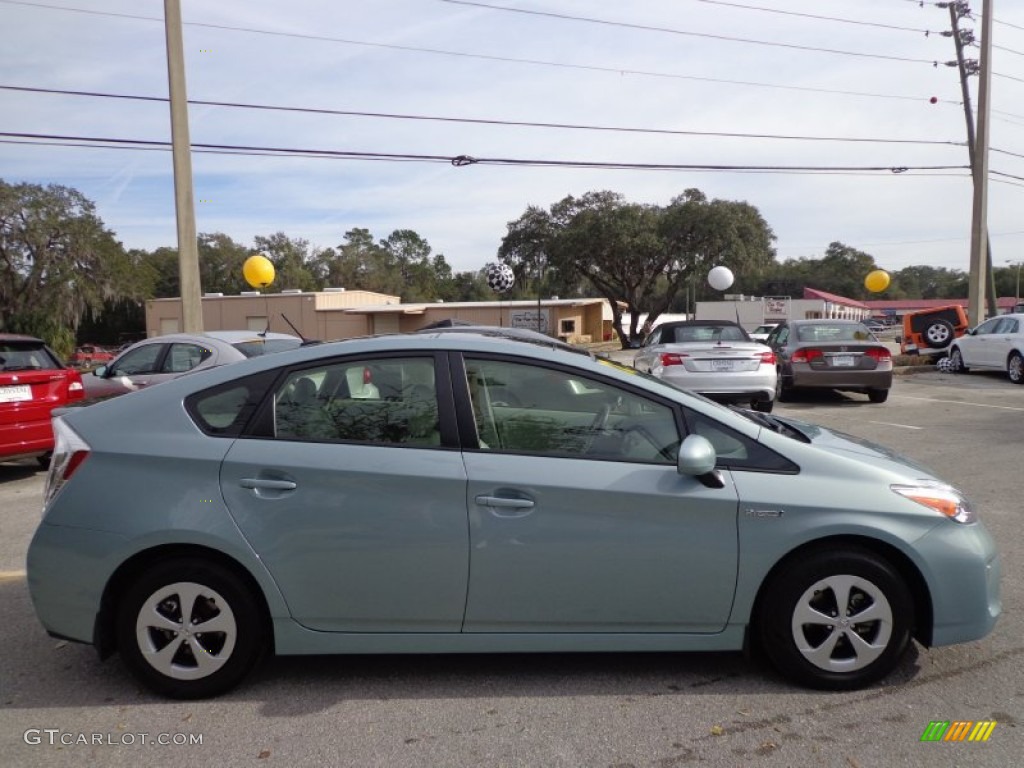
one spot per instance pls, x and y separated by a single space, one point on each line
442 492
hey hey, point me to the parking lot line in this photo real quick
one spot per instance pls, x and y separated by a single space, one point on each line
958 402
893 424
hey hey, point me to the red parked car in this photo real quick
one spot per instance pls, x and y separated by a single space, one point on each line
33 381
89 354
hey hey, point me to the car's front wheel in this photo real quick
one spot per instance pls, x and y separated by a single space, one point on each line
836 619
189 629
956 361
1015 368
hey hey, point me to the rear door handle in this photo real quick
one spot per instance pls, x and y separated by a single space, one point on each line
263 483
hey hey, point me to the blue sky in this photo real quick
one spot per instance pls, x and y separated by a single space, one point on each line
913 218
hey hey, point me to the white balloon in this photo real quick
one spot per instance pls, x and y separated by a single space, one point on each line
720 278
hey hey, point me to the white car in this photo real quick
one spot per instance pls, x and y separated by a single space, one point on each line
996 344
715 358
762 332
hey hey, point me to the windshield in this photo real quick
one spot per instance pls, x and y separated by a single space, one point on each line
26 356
258 347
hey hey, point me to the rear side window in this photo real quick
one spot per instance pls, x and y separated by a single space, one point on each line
258 347
26 356
224 410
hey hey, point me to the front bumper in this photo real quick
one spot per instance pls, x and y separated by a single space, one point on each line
962 568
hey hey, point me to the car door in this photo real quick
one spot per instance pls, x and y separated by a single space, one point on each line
1002 340
132 370
579 520
357 506
977 347
645 355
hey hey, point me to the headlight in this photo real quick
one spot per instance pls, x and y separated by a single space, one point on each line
938 496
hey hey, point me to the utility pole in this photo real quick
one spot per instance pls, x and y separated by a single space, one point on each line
956 9
184 201
979 217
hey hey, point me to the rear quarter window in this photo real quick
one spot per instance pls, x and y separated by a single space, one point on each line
224 410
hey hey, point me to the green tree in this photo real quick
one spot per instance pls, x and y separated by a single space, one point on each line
294 265
57 260
639 255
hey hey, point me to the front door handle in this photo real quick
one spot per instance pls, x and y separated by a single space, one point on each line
506 506
502 502
265 483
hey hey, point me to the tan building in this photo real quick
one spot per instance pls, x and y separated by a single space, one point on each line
341 314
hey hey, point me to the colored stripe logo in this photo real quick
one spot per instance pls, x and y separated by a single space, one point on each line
958 730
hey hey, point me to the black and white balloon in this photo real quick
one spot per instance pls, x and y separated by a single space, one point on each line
500 278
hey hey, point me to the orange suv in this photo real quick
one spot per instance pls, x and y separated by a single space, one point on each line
931 331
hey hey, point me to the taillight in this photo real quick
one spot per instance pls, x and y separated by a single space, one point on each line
806 355
767 357
881 354
670 358
69 451
75 389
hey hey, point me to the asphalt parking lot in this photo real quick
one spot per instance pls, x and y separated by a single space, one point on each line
558 710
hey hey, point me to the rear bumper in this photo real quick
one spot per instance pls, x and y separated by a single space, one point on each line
752 385
31 438
804 376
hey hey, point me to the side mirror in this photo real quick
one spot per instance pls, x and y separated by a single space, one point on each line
101 371
696 456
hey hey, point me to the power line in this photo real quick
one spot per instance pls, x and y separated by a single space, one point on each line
689 33
464 160
815 16
490 57
485 121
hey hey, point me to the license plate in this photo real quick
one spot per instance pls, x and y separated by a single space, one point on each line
721 365
843 361
15 394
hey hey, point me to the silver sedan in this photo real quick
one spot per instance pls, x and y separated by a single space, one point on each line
714 358
163 358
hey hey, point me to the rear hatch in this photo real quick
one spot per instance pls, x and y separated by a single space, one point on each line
32 382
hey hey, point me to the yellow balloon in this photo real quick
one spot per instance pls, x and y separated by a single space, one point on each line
258 271
877 281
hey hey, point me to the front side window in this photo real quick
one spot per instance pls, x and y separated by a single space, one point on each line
138 361
523 408
390 401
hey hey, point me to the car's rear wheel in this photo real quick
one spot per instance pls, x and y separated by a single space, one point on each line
938 334
1015 368
189 629
763 406
837 619
956 361
878 395
783 393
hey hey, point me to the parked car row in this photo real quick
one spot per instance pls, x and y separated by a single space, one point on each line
718 359
34 381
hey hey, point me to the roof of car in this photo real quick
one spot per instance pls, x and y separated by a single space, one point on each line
18 337
678 323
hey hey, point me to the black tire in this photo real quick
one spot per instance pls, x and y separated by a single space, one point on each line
938 333
808 585
762 406
218 594
878 395
44 460
956 361
783 392
1015 368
